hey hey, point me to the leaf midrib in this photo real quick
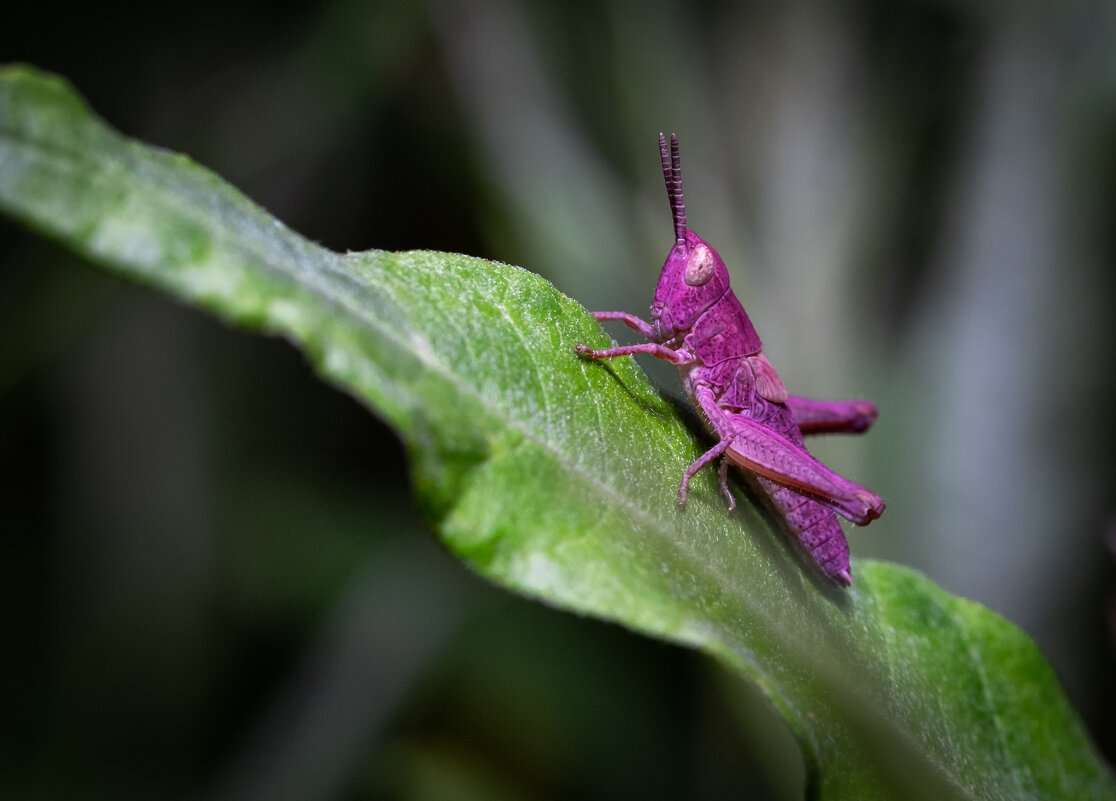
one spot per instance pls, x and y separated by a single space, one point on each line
986 692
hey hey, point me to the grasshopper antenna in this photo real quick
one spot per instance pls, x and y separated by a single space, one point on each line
672 175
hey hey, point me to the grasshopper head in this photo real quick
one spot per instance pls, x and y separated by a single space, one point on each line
693 277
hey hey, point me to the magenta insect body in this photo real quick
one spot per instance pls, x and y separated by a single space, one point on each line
698 324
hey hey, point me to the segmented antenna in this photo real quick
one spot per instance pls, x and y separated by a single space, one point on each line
672 175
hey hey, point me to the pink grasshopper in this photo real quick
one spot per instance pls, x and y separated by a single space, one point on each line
698 324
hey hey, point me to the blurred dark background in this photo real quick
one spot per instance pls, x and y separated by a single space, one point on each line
213 582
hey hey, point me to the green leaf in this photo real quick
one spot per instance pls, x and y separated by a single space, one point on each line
556 477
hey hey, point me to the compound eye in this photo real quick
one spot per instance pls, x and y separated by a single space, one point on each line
699 269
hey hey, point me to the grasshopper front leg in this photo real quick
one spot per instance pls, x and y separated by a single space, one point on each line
679 356
766 453
630 320
653 348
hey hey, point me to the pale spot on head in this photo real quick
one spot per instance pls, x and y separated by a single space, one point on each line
699 269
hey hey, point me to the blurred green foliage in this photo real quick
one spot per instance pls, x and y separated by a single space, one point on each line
914 199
